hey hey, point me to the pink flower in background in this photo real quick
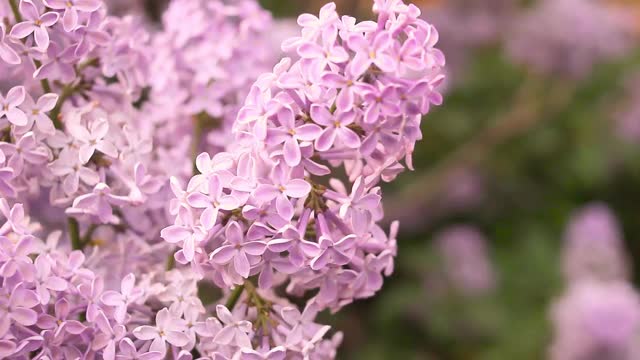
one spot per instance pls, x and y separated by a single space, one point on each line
466 260
593 245
596 320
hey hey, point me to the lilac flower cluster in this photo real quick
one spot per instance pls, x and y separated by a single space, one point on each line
100 120
205 70
596 320
594 246
263 210
466 261
598 316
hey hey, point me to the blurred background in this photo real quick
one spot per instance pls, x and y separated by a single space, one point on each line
519 226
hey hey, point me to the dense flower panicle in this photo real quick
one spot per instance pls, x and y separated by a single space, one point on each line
596 320
594 246
355 99
206 69
101 117
466 262
570 36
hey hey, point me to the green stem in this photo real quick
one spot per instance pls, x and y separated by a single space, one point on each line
16 10
67 91
74 233
171 261
263 308
85 64
86 239
234 297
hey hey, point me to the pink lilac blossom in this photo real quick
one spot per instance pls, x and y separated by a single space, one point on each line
265 208
594 246
570 36
205 70
466 263
100 122
596 320
290 133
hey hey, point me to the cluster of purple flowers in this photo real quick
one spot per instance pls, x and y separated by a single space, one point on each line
598 316
101 119
207 69
466 264
354 99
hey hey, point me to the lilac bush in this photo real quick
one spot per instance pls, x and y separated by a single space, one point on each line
113 218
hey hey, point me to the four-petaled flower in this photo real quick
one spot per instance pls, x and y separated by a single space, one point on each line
290 133
35 24
128 351
16 305
234 331
371 53
120 300
336 127
7 53
168 329
92 139
71 9
237 250
36 112
214 201
27 149
9 106
281 190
